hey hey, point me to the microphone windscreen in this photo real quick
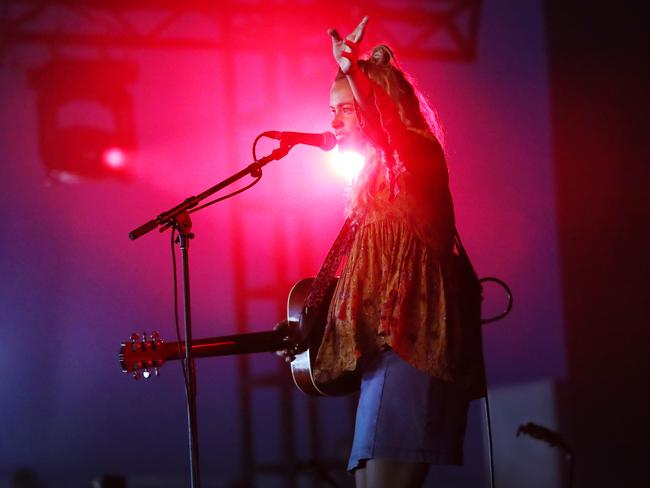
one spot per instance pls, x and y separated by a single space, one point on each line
329 141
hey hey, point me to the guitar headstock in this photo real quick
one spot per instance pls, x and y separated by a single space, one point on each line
142 356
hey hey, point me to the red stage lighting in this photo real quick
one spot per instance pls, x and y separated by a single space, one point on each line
114 157
83 146
346 164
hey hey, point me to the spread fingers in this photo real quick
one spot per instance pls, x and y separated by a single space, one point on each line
334 34
357 33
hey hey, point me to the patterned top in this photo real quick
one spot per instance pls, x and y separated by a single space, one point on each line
392 290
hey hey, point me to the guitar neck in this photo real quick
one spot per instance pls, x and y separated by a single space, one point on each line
228 345
136 355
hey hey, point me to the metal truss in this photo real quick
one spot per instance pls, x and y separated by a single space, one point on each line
433 29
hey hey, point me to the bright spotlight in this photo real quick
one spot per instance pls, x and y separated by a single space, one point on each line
114 157
346 164
85 119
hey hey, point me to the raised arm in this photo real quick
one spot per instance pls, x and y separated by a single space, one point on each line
382 120
346 54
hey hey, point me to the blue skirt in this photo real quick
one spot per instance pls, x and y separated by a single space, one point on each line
405 414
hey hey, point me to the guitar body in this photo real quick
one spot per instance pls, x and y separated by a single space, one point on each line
312 328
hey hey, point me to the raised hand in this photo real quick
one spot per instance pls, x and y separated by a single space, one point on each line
346 51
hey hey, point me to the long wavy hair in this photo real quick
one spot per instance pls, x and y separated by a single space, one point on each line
414 111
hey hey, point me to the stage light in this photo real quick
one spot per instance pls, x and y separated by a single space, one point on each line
114 157
346 164
85 118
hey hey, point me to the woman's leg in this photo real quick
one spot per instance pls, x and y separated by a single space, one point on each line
389 473
360 477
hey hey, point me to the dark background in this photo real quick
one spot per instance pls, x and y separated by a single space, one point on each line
599 92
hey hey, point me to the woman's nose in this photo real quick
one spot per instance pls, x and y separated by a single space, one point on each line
337 123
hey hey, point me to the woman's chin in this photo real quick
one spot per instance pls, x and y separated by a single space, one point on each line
350 144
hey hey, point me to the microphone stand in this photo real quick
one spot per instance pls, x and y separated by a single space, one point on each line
179 218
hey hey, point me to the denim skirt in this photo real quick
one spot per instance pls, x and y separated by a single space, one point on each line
407 415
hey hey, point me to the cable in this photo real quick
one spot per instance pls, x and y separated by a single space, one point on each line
255 181
187 369
508 292
488 419
255 145
178 328
173 223
174 268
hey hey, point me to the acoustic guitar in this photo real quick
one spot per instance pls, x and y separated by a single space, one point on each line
301 334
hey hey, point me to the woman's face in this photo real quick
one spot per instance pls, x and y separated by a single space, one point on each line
344 116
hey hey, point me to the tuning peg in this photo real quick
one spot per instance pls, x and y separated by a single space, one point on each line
156 371
134 337
136 374
146 373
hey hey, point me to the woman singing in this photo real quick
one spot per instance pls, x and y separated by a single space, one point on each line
391 317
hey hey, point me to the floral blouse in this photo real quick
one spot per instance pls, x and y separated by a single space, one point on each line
392 290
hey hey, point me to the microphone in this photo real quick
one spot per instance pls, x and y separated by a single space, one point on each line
326 141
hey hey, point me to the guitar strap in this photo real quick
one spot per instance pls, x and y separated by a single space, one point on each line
327 273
